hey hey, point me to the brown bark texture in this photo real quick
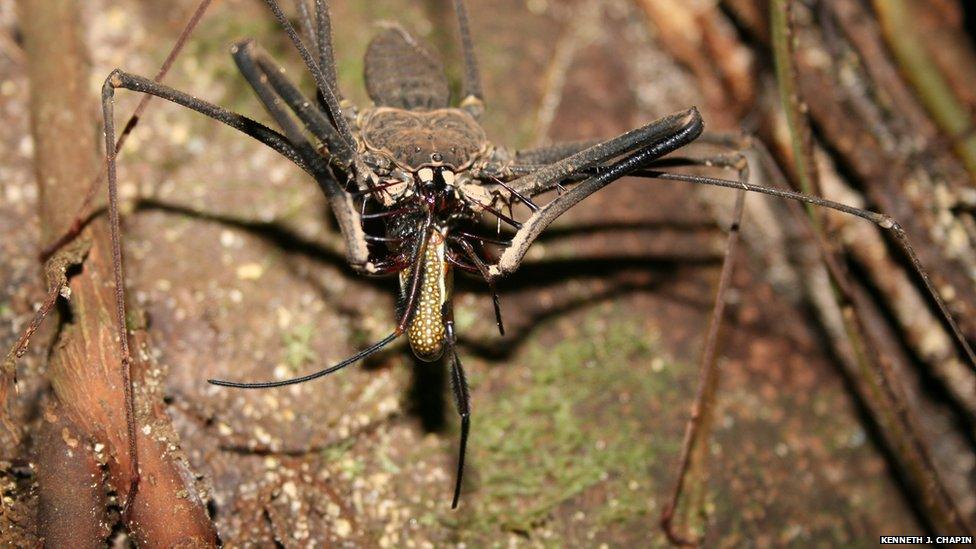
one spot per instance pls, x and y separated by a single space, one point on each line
81 452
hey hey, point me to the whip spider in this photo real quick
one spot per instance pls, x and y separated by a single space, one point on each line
419 191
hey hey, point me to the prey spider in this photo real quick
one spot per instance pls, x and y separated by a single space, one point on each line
425 173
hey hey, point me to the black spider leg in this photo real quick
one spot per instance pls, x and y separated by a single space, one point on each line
78 223
302 153
462 397
323 23
517 195
271 138
881 220
309 26
327 91
272 86
473 99
408 310
483 269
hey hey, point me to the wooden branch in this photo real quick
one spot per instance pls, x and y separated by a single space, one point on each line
85 371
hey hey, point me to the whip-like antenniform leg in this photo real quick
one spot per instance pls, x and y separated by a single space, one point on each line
78 222
75 228
703 408
407 312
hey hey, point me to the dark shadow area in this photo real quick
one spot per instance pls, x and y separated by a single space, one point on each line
605 277
541 274
428 394
969 21
272 232
932 387
873 431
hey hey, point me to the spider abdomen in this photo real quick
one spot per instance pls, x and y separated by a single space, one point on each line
426 330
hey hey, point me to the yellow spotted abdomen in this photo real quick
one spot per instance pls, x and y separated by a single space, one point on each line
426 331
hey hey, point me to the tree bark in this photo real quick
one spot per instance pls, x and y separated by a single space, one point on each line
84 434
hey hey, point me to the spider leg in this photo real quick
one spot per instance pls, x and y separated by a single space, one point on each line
318 30
119 79
260 132
547 154
309 26
323 24
638 149
483 270
881 220
78 223
268 80
699 423
52 257
325 87
407 312
462 400
271 86
301 153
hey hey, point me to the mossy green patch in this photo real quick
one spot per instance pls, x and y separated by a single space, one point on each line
209 53
298 347
580 421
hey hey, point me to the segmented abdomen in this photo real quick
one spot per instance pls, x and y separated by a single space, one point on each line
401 73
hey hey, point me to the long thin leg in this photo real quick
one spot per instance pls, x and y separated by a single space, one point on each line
302 153
473 99
264 134
324 87
78 223
57 262
409 307
879 219
326 57
319 32
462 400
309 26
703 407
359 170
482 268
271 86
108 92
261 70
